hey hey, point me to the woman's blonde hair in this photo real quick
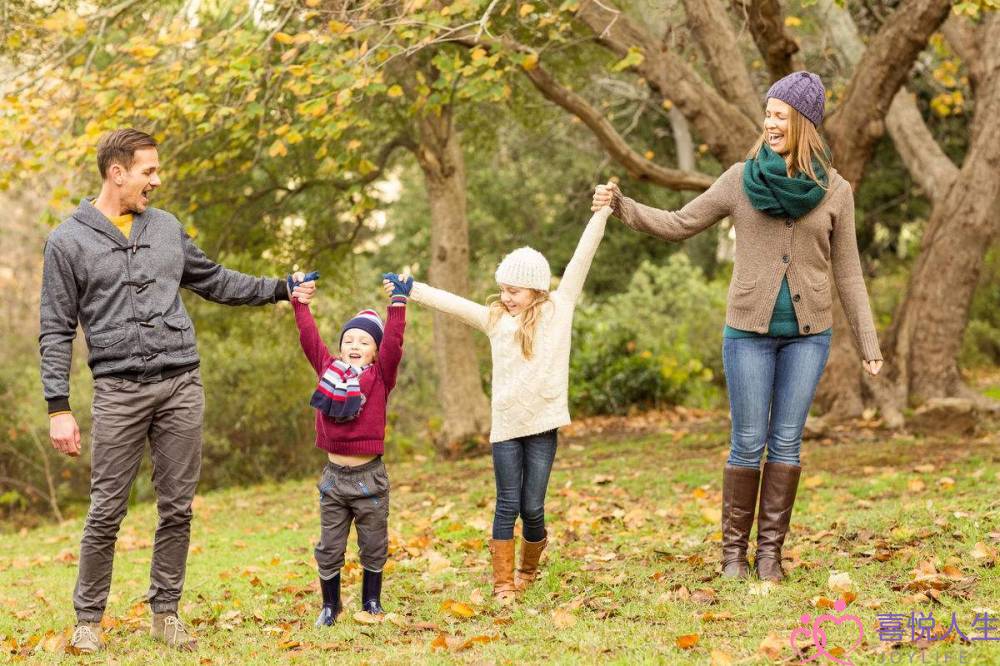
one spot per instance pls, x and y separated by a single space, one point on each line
527 322
805 146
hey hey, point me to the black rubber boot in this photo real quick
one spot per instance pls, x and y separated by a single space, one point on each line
331 602
371 592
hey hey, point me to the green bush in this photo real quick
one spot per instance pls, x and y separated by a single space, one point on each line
658 342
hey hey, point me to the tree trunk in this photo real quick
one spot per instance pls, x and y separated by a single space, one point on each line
465 407
927 332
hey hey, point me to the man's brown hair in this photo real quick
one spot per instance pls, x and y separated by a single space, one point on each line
119 147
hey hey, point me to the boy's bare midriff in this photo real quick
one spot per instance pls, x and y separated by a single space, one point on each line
349 461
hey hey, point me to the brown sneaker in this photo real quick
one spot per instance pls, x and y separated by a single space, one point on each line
86 638
169 629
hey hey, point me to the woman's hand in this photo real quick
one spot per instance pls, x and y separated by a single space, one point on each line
604 195
872 367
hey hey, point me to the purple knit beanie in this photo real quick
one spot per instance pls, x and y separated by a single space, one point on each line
804 92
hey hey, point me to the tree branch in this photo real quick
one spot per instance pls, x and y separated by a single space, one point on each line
721 124
924 159
637 165
717 41
859 121
767 25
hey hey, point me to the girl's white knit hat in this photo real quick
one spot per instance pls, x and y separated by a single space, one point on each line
525 267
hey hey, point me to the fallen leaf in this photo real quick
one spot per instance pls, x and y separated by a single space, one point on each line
364 617
687 641
477 640
771 646
720 658
840 582
457 608
563 619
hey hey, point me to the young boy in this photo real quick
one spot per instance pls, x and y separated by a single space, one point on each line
350 401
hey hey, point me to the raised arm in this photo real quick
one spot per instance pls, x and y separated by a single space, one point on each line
700 213
573 278
390 352
850 279
310 339
473 314
216 283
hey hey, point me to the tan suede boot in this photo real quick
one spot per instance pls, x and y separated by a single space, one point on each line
502 552
531 553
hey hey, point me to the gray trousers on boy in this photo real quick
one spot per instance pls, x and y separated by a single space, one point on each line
359 493
125 414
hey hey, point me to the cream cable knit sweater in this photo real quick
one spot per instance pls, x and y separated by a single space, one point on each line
529 396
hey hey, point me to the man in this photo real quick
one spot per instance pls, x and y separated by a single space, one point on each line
116 266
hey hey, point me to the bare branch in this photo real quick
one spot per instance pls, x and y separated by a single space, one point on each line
722 125
637 165
859 121
767 25
717 41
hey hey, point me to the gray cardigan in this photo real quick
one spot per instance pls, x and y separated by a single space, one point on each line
125 294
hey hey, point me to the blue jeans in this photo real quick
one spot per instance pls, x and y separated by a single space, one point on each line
771 385
521 467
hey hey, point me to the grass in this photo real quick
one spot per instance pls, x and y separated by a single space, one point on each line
630 576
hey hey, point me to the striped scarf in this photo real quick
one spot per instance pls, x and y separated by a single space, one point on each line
338 394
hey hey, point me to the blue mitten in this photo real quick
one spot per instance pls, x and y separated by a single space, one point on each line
292 284
400 287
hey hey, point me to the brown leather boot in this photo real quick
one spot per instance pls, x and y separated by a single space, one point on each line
739 500
777 496
502 552
531 553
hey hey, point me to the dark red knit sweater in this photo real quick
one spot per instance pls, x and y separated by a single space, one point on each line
364 435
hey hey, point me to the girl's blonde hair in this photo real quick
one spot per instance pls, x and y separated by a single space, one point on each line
527 321
805 146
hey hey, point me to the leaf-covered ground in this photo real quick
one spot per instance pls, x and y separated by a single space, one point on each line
892 524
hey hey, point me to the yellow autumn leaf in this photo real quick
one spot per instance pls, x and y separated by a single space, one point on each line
526 9
395 91
284 38
530 61
667 104
336 27
144 51
792 21
477 54
649 154
277 149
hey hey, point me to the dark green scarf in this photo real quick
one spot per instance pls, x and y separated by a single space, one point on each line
771 191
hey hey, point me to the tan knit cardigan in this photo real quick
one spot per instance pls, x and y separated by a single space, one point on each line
770 248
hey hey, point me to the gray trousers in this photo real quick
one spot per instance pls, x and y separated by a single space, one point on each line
359 494
169 414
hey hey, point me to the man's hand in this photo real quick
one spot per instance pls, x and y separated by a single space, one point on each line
303 291
65 434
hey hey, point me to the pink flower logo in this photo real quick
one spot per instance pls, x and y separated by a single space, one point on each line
812 629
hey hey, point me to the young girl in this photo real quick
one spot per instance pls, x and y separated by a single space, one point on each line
350 402
794 220
529 330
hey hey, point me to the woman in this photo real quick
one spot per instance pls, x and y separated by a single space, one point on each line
794 221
